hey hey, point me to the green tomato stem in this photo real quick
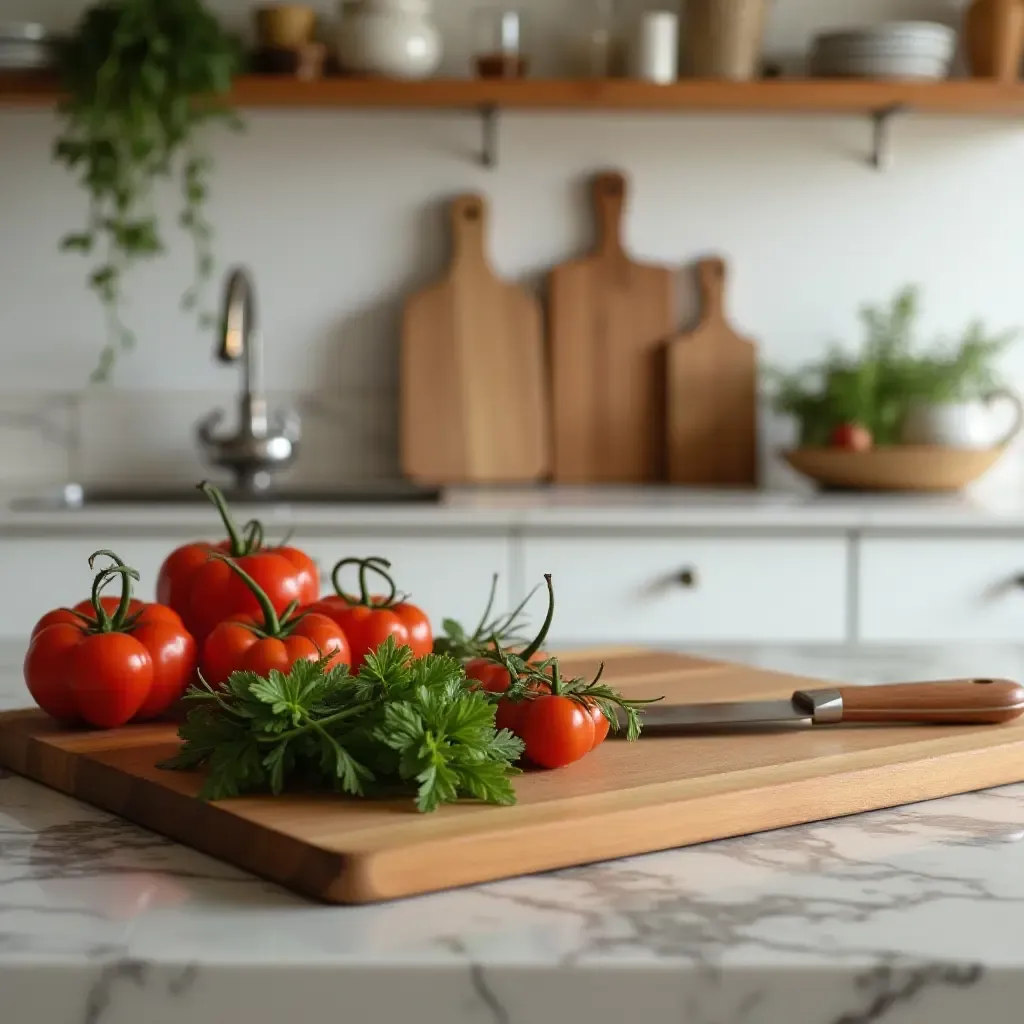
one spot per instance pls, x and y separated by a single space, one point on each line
271 621
539 639
478 632
373 564
241 545
117 623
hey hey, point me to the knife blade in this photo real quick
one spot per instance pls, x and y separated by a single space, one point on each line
943 702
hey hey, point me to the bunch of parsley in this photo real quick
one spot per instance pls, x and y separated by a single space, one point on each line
400 725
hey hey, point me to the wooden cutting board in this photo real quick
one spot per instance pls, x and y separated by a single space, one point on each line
658 793
609 319
474 405
712 395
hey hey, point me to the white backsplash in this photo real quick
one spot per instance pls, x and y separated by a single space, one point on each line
339 215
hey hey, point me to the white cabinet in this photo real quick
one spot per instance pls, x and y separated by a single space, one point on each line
676 589
941 589
448 575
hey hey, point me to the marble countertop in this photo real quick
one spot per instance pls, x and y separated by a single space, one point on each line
905 916
553 508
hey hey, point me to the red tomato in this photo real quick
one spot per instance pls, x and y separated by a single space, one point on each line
421 636
128 660
601 725
852 436
205 592
369 619
233 646
493 676
261 643
555 730
216 593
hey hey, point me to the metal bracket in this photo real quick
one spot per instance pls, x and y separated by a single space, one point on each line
489 129
881 156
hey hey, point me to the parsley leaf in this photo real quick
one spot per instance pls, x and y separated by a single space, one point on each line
411 724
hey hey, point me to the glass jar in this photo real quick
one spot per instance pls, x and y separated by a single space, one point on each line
498 44
597 51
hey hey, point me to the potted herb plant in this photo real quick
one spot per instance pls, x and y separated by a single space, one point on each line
888 393
140 78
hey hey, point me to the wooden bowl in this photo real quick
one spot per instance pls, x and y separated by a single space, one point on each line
916 468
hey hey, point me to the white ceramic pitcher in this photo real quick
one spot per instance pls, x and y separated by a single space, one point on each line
964 424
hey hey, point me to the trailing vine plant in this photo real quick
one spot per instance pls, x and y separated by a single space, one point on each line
140 77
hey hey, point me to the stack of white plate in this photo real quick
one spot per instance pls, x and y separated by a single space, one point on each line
25 46
904 49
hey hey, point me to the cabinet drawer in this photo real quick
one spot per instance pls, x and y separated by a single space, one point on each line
633 590
946 589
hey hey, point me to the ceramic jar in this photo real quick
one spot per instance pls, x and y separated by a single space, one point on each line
963 424
394 38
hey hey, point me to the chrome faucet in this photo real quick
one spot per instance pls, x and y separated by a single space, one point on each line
259 448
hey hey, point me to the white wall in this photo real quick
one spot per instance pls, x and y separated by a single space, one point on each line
339 215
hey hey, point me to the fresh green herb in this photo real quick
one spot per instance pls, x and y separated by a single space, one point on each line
463 646
402 724
140 78
876 386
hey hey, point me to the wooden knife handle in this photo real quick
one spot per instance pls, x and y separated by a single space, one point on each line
957 702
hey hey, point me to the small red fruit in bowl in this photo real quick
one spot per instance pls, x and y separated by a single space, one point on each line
853 437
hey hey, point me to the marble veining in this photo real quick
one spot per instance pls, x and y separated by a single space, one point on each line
903 916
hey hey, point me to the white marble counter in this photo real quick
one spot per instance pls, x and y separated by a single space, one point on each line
569 508
909 916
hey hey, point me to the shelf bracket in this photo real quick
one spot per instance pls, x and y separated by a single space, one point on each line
881 124
489 130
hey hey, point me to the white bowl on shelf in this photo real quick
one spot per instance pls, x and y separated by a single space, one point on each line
919 50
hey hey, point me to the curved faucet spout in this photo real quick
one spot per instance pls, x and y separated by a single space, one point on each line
257 449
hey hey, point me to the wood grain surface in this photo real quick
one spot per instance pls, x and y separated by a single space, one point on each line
609 319
659 793
954 701
712 395
474 406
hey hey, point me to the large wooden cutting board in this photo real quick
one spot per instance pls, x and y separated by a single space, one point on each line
658 793
474 405
609 319
712 395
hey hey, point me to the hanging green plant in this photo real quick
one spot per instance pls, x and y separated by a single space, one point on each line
140 77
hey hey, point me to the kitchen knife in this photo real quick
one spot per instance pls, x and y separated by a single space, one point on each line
952 702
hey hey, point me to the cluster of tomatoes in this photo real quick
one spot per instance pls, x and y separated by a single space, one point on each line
236 605
559 722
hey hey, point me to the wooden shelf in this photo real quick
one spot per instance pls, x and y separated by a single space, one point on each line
879 100
978 97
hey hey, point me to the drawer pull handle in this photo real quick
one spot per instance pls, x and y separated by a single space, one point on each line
688 578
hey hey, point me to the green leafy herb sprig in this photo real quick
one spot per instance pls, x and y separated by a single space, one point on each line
140 78
876 386
401 725
463 646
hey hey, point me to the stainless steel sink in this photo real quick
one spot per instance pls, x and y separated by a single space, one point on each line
76 496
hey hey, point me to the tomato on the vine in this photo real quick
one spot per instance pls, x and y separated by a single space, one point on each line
601 724
127 661
205 592
369 619
269 641
556 730
558 720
